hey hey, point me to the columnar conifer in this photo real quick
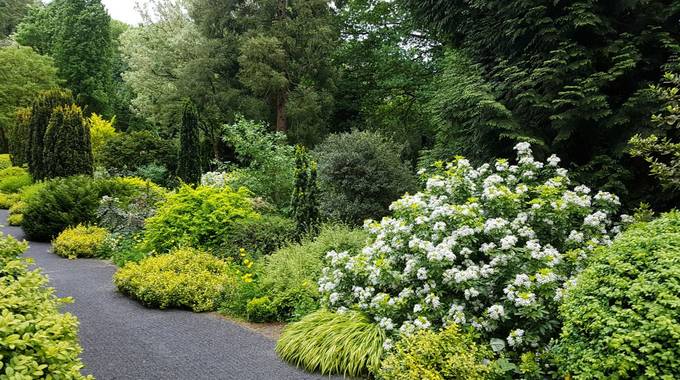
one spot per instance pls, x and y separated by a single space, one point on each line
189 160
41 113
68 150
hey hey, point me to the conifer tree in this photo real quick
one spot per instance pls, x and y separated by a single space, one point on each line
189 159
304 202
18 137
68 150
41 113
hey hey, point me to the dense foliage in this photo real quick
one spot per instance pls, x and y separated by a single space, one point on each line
490 247
13 179
41 114
346 344
360 174
18 135
450 354
304 201
189 158
67 147
621 315
135 153
36 341
184 278
80 241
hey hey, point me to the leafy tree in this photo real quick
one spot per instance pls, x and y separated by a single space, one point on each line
11 13
18 135
68 150
189 159
575 75
41 114
662 149
304 201
24 74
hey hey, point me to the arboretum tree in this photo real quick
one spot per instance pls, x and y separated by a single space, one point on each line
304 200
11 13
68 150
41 114
574 75
189 159
23 75
18 137
77 34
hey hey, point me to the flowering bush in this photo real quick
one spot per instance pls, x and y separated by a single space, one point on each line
490 247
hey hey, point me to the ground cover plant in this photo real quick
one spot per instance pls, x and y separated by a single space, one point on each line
184 278
36 340
621 315
491 248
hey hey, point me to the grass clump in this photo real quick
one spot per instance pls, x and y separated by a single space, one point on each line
346 344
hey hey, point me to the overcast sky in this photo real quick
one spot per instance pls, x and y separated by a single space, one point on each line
123 10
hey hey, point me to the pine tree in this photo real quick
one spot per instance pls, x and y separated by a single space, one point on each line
41 113
189 159
304 202
68 150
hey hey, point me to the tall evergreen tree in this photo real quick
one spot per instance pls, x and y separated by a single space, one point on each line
189 158
68 149
304 201
575 75
41 112
18 137
11 13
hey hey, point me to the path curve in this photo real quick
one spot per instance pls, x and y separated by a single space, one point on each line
124 340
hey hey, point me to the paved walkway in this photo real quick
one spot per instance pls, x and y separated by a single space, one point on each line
124 340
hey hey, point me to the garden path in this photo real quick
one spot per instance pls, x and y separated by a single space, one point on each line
124 340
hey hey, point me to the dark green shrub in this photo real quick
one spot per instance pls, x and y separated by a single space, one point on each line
289 276
346 344
18 136
13 179
259 236
126 153
203 217
67 146
449 354
622 316
189 159
360 175
41 113
304 201
36 341
261 310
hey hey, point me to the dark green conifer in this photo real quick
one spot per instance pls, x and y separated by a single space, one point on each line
68 149
41 113
304 202
189 160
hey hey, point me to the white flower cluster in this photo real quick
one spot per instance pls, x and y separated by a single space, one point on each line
490 247
215 179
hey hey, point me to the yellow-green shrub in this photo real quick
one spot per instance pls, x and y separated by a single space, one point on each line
184 278
446 355
7 200
13 179
5 161
36 341
15 220
101 131
79 241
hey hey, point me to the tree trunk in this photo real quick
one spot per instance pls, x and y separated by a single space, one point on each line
281 124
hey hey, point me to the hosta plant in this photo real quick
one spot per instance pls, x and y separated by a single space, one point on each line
491 247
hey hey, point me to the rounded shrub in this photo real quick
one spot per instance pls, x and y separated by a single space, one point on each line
346 344
7 200
260 236
184 278
13 179
622 316
289 276
126 153
80 241
360 174
202 217
449 354
36 341
489 248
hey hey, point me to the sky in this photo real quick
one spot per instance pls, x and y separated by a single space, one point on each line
124 10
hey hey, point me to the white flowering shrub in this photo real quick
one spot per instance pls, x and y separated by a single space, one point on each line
215 179
490 247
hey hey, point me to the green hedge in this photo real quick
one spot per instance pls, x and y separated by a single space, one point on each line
622 317
36 341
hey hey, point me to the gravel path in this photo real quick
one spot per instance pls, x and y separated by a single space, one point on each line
124 340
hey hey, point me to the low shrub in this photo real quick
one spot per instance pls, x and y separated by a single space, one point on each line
261 310
80 241
122 248
244 287
13 179
289 276
36 341
136 200
622 316
183 278
360 174
449 354
16 211
7 200
5 161
259 236
346 344
15 220
125 153
204 217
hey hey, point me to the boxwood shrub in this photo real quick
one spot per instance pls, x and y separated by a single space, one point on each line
622 317
80 241
36 341
184 278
